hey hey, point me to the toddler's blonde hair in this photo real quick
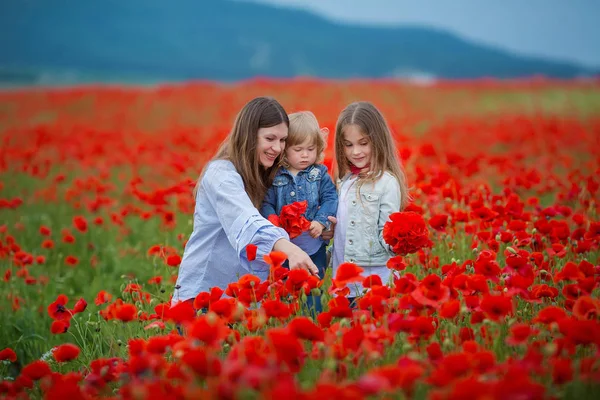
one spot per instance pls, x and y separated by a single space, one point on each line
304 125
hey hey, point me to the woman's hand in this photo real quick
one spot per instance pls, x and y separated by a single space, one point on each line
328 234
297 258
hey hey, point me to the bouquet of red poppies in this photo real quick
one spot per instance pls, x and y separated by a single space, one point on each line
292 218
406 233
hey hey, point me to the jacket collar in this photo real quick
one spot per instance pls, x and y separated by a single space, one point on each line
284 171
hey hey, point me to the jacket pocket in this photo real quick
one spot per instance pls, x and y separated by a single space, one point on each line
370 203
280 181
364 220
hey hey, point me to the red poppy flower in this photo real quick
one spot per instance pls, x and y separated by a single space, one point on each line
202 364
276 309
251 252
434 351
102 297
60 326
396 263
586 307
519 333
181 312
550 314
208 329
496 307
80 223
248 281
324 319
543 290
449 309
439 222
66 352
422 327
304 328
274 219
372 280
292 219
406 233
155 280
36 370
562 370
580 331
288 348
433 297
8 354
352 338
223 307
57 309
126 312
80 306
296 279
275 258
71 260
347 273
173 260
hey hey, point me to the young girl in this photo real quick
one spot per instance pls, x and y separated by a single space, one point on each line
371 186
300 178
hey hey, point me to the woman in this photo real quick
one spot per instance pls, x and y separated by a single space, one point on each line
228 194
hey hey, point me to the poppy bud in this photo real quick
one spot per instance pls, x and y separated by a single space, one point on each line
549 349
330 364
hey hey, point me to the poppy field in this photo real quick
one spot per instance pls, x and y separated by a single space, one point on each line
496 281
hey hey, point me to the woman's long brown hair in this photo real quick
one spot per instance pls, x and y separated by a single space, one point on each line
240 146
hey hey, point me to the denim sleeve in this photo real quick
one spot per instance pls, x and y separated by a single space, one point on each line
328 199
390 203
240 220
269 203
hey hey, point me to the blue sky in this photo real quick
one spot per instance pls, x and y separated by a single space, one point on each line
557 29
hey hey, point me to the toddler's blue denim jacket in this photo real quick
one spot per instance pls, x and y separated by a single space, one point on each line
312 184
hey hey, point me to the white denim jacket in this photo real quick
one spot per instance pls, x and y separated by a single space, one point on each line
367 214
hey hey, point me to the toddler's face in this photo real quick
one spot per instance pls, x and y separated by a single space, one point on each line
357 147
301 156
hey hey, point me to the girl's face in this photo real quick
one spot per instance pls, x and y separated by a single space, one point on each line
271 142
357 147
302 155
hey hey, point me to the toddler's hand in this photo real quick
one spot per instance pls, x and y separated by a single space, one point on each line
316 228
328 234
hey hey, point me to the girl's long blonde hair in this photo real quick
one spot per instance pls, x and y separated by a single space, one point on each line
240 146
384 155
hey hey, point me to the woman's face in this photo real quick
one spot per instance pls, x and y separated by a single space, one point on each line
271 142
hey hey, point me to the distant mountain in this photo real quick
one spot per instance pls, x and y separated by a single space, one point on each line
230 40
